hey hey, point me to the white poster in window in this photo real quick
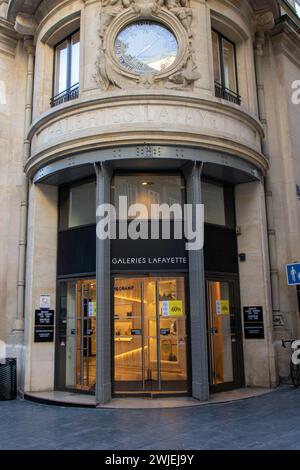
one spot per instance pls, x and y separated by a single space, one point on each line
165 308
92 309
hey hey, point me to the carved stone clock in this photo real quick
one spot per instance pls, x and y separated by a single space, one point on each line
146 44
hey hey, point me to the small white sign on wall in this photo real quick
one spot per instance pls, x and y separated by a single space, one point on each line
2 92
2 352
45 302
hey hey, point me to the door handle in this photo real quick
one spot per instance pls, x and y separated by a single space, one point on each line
233 337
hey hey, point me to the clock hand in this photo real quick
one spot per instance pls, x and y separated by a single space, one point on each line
146 48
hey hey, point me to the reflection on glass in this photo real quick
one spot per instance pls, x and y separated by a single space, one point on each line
75 55
216 57
148 189
67 56
61 67
82 205
229 66
214 204
77 333
224 62
146 47
150 334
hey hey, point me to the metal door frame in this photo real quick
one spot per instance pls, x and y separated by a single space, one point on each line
237 351
84 335
60 355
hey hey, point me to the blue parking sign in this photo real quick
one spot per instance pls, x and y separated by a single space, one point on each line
293 274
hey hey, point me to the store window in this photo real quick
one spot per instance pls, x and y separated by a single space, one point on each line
77 205
219 207
148 189
66 69
214 203
225 70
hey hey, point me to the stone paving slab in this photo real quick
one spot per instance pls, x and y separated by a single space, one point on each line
265 422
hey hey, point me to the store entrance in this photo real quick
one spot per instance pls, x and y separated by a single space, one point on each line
224 334
150 340
76 338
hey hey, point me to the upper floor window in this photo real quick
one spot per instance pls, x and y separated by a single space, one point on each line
66 69
225 70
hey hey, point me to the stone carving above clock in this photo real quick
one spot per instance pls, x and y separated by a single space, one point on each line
146 44
181 9
110 9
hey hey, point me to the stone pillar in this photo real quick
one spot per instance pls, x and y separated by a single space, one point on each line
38 358
199 354
202 35
104 379
259 354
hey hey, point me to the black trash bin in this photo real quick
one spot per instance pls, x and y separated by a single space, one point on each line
8 379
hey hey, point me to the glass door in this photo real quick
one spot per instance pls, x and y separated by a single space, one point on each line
224 338
129 341
150 351
76 365
172 333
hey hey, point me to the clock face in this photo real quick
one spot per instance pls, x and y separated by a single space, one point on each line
146 48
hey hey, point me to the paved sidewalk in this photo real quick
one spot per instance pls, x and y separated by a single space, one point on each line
268 422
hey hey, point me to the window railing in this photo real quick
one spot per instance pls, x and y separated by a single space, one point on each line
222 92
71 93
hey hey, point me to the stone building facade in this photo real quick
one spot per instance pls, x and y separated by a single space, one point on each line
186 101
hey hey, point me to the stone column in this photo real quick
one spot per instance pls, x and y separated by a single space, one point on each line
103 380
199 355
38 367
255 285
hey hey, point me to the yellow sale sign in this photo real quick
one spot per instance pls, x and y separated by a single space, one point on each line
176 308
223 307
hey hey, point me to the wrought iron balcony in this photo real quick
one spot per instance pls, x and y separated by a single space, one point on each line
71 93
222 92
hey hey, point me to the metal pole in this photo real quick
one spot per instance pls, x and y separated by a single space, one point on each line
88 337
298 297
28 44
82 338
158 337
143 333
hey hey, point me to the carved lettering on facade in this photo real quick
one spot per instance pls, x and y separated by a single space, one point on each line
187 119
